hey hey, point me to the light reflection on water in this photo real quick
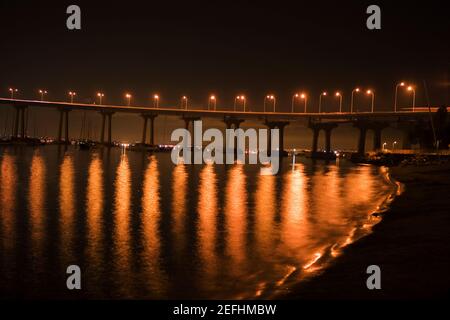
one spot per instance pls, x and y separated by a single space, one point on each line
141 227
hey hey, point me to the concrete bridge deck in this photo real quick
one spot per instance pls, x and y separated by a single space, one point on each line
326 121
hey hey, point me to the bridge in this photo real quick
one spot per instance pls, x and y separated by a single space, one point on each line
326 121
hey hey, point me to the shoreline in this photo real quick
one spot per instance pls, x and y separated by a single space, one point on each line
410 244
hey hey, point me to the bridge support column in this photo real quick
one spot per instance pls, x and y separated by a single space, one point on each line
60 125
147 117
328 139
102 132
364 126
63 124
144 130
362 140
106 120
187 121
110 128
16 122
22 131
315 143
19 126
152 129
233 123
66 135
280 125
316 128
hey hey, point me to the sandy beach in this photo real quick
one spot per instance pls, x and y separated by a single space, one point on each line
411 246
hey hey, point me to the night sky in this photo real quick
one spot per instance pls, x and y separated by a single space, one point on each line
196 48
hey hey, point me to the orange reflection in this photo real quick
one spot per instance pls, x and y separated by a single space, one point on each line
94 208
235 217
179 186
265 209
122 216
295 228
8 178
66 205
359 186
36 200
207 210
151 215
327 198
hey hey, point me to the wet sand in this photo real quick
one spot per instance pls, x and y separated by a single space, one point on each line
411 245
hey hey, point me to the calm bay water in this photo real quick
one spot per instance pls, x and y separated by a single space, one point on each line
141 227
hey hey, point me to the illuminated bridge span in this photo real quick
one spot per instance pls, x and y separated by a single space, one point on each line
326 121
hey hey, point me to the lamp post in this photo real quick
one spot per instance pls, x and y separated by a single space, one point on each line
184 102
100 97
244 101
339 95
351 100
393 145
384 146
320 100
304 97
270 97
294 97
401 84
410 88
128 97
212 102
12 91
72 94
373 98
238 99
42 93
155 101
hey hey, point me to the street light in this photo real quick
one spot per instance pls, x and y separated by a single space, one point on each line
155 101
295 96
270 97
12 91
72 94
237 99
351 100
184 102
128 97
393 145
339 95
304 97
410 88
373 97
401 84
212 101
384 146
320 100
42 92
100 97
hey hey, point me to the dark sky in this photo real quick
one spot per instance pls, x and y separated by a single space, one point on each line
228 47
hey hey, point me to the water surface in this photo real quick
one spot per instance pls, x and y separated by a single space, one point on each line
140 227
